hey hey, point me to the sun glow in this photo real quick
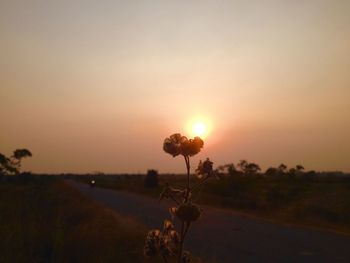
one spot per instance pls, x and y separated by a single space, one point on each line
198 128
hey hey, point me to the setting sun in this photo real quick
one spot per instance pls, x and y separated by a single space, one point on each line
199 129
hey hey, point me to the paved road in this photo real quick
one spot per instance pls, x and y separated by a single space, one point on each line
221 236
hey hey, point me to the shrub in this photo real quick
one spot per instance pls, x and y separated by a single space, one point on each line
151 179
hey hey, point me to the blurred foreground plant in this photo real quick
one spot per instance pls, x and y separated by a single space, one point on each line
169 242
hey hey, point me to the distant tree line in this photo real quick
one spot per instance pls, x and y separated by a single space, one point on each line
244 167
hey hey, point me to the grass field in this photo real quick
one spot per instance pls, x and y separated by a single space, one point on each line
44 220
318 201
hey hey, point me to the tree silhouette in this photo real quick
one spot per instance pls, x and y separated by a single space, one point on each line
227 169
231 169
3 163
282 168
12 165
17 157
3 159
300 168
248 168
21 153
252 168
271 171
242 165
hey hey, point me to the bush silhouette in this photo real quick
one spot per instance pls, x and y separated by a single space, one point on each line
151 179
271 171
248 168
282 168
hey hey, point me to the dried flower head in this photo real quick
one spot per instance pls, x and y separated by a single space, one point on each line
172 145
168 225
188 212
164 243
177 144
152 243
174 236
172 210
192 147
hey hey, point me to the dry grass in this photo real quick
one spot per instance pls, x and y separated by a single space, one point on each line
44 220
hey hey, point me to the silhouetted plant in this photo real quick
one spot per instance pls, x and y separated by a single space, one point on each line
297 171
221 170
311 173
248 168
253 168
169 243
282 168
3 163
17 157
271 171
227 169
242 165
151 179
300 168
12 165
292 172
231 169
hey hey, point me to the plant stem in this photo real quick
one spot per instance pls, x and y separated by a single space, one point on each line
186 229
188 190
181 242
187 161
201 182
173 198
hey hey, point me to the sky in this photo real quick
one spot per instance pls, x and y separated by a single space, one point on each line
98 85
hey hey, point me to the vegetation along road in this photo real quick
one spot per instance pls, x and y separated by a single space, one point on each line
223 236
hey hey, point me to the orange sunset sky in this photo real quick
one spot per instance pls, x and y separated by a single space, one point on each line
97 85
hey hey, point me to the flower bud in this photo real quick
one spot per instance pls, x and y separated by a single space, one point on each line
188 212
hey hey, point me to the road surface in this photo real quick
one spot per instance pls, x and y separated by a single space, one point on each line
222 236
